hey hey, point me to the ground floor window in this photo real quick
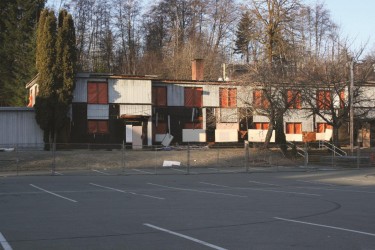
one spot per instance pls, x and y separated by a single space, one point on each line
97 126
322 126
261 125
294 128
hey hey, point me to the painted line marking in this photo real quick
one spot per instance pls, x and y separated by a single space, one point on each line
195 190
142 171
4 242
185 237
57 173
126 192
326 226
260 189
336 189
263 183
318 183
100 172
57 195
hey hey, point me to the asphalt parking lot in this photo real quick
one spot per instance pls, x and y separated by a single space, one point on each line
274 210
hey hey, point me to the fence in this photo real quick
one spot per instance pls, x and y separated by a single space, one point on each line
117 159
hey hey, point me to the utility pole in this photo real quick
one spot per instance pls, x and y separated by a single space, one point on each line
351 112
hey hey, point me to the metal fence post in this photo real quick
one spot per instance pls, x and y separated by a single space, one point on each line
358 153
246 156
306 155
53 158
123 156
188 158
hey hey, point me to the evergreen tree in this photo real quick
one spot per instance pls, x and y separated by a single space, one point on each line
243 34
56 61
45 61
17 41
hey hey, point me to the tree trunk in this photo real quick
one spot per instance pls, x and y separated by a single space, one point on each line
268 135
280 135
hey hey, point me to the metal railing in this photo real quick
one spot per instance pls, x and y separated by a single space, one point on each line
303 152
335 150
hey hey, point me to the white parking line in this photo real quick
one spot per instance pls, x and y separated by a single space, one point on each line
100 172
195 190
142 171
185 237
4 243
263 183
318 183
226 171
326 226
340 190
260 189
52 193
126 192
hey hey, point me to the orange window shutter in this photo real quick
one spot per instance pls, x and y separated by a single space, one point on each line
298 100
329 126
258 125
290 99
298 128
102 93
92 92
92 127
290 128
327 99
320 127
257 98
162 96
232 97
198 96
189 94
342 99
265 126
223 97
102 127
154 95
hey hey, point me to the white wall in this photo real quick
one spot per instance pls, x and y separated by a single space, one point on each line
226 135
18 126
129 91
258 135
193 135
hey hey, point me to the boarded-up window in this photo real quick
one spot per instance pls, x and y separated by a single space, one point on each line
261 125
228 97
323 99
97 126
322 126
159 96
193 97
97 93
260 99
293 128
294 99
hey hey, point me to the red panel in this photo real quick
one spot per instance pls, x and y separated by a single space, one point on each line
161 128
102 93
342 99
223 97
92 96
198 98
162 96
290 99
329 126
257 125
257 98
154 95
327 100
191 125
290 128
92 127
298 100
189 97
298 128
265 126
232 97
102 127
321 127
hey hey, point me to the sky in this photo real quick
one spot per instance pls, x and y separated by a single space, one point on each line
355 18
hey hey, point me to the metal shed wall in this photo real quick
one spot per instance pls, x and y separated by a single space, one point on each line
211 96
18 127
129 91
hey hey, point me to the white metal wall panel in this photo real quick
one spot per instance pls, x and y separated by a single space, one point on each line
193 135
145 110
175 95
231 125
258 135
260 118
98 111
226 135
80 91
129 91
293 137
301 116
211 96
244 96
18 127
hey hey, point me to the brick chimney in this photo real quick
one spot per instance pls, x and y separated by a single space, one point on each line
197 69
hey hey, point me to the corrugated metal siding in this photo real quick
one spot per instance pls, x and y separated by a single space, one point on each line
80 91
176 95
19 127
97 111
211 96
145 110
129 91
